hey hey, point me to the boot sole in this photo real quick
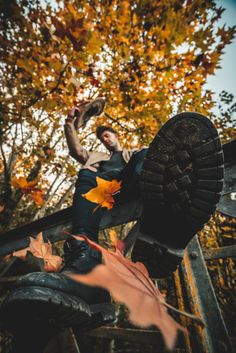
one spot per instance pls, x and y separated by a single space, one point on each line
53 308
181 180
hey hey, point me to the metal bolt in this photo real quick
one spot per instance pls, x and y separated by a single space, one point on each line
193 255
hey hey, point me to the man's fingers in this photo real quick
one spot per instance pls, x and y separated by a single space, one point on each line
83 103
72 113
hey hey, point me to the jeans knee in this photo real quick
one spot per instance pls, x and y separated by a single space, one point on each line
86 176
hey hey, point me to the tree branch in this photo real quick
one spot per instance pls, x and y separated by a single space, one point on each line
41 96
64 197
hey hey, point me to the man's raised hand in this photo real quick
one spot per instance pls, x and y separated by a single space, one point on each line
73 115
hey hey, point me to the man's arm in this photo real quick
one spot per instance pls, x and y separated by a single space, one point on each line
76 150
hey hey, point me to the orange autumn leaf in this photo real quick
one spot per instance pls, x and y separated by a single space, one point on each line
29 188
103 193
21 254
129 283
7 258
43 251
37 196
19 182
23 183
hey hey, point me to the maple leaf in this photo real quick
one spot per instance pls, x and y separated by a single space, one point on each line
43 251
21 254
7 258
103 193
129 283
37 196
23 183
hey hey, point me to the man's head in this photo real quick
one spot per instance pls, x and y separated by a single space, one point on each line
108 136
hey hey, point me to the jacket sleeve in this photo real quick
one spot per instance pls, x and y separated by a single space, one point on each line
76 150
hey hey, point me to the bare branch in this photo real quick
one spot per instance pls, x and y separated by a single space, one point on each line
64 197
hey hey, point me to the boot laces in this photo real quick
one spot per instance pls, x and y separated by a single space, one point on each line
73 253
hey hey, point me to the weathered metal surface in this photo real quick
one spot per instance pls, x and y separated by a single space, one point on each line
127 334
214 337
229 150
181 306
220 253
131 237
227 203
63 342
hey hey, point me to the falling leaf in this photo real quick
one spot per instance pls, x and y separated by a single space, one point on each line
2 208
23 183
129 283
37 196
43 251
103 193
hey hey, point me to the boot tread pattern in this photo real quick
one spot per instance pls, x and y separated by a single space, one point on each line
189 177
50 306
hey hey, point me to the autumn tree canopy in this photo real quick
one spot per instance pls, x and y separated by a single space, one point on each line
149 59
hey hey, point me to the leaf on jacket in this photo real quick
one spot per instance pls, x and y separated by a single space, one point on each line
129 283
103 193
43 251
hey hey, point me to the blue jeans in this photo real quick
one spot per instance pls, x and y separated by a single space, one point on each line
84 221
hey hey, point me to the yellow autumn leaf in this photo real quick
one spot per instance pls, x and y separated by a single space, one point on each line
23 183
102 193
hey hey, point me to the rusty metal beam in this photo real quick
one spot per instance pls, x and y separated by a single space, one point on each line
54 226
127 334
220 253
214 337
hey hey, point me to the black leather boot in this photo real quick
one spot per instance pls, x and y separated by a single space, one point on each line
58 301
181 183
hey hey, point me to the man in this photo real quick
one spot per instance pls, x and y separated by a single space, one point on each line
179 178
117 164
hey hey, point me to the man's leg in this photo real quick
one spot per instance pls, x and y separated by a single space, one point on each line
84 221
130 176
181 181
78 255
